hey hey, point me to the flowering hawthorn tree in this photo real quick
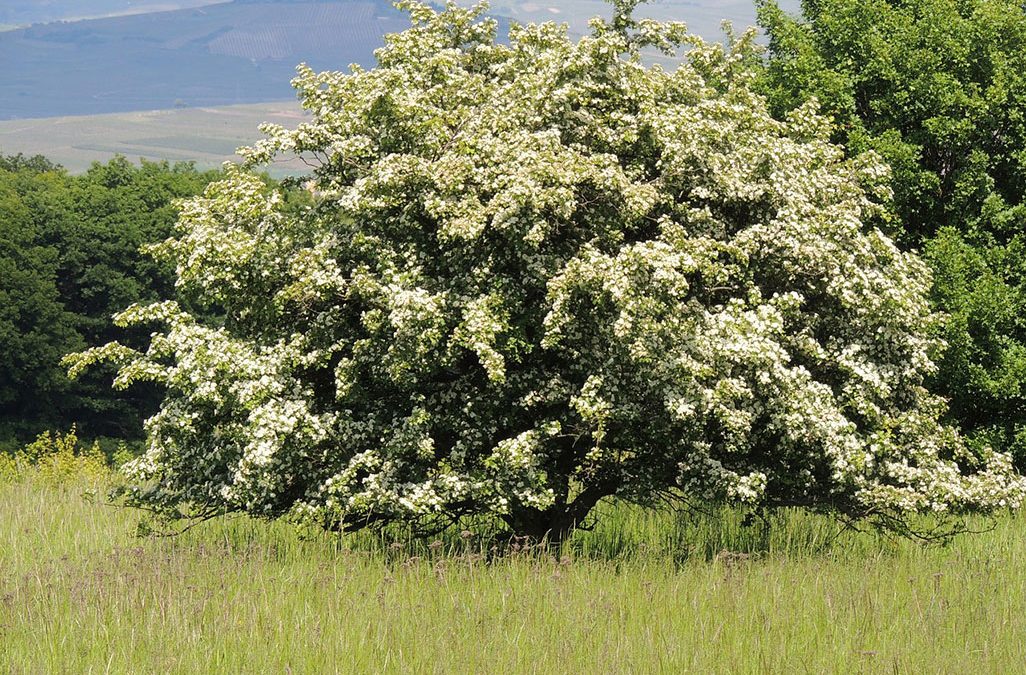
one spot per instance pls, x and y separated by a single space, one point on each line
537 274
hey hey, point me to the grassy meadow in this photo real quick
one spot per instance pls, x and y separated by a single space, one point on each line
81 591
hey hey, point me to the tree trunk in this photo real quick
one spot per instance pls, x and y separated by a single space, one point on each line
555 524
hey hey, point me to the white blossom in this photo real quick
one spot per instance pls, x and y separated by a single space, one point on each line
538 273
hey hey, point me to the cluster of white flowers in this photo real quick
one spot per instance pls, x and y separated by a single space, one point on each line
539 273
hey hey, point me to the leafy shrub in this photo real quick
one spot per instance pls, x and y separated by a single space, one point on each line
56 458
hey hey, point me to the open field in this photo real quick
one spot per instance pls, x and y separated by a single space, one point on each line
79 592
206 136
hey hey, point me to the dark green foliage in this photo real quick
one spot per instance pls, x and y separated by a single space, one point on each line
938 87
33 164
69 259
35 329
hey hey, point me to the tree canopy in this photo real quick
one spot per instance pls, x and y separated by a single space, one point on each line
69 259
35 328
538 274
938 89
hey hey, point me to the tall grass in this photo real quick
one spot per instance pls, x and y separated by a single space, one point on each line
642 592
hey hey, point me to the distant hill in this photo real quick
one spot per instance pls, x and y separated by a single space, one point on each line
222 54
24 12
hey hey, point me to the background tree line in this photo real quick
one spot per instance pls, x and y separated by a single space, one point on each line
69 258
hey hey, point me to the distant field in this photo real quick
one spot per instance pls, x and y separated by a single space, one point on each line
206 136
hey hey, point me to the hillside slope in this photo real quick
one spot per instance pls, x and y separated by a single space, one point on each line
238 52
24 12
